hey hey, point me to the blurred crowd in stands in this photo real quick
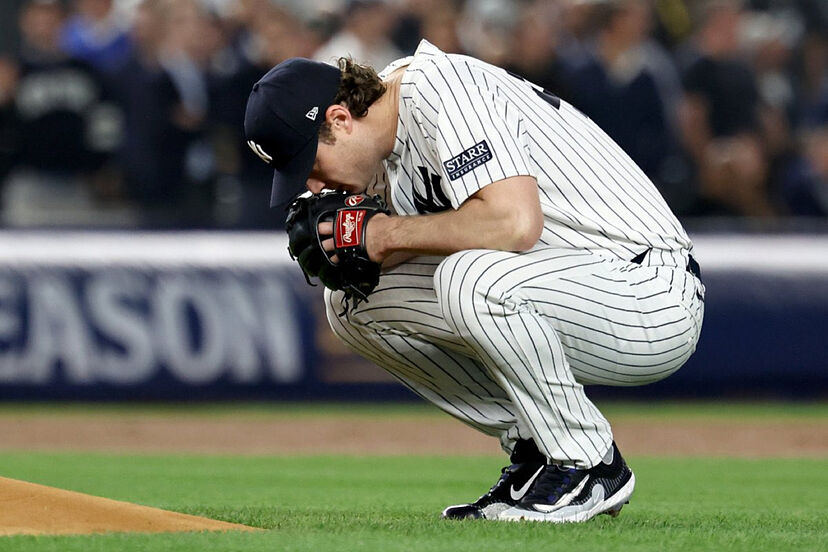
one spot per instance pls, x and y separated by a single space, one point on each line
128 113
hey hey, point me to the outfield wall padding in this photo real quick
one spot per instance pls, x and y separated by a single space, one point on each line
210 316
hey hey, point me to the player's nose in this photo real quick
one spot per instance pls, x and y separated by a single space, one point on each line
315 185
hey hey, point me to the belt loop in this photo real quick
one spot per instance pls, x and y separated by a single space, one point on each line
693 267
638 259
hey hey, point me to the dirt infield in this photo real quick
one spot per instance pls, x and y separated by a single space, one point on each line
29 509
394 435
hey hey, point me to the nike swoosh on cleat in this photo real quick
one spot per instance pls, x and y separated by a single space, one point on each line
517 494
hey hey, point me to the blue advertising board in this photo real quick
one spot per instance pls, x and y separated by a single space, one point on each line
211 316
122 332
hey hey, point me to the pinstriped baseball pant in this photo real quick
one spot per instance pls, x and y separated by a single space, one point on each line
506 341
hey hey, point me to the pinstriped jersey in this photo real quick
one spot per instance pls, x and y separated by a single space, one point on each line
464 124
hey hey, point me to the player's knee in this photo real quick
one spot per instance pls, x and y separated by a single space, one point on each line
451 277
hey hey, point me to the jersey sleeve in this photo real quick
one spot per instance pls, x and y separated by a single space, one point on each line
479 140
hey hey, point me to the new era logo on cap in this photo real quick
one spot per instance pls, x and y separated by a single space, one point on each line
312 113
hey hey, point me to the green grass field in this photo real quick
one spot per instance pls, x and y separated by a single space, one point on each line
324 503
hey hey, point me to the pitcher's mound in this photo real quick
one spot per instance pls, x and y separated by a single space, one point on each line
30 509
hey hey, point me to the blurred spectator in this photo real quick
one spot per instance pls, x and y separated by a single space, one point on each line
811 81
187 50
164 98
244 182
9 139
810 76
801 179
769 39
673 23
535 49
65 124
440 26
364 35
579 21
816 153
740 133
96 35
720 117
486 28
616 85
436 19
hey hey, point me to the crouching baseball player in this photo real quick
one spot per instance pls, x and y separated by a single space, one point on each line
516 255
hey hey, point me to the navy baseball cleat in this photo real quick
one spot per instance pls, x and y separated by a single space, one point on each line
514 483
571 495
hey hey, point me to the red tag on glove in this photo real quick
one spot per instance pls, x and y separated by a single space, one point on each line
348 227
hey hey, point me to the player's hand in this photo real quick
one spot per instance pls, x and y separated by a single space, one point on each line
335 252
326 229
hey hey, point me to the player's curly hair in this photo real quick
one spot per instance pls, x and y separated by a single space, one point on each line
359 88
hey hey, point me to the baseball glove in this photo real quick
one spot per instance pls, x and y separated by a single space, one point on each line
354 273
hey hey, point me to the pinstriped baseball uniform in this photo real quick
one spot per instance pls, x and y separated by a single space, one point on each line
505 341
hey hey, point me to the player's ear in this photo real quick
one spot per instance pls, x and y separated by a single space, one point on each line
339 118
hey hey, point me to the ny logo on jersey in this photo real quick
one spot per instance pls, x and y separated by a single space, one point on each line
435 199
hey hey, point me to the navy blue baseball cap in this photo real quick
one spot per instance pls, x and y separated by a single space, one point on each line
284 112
